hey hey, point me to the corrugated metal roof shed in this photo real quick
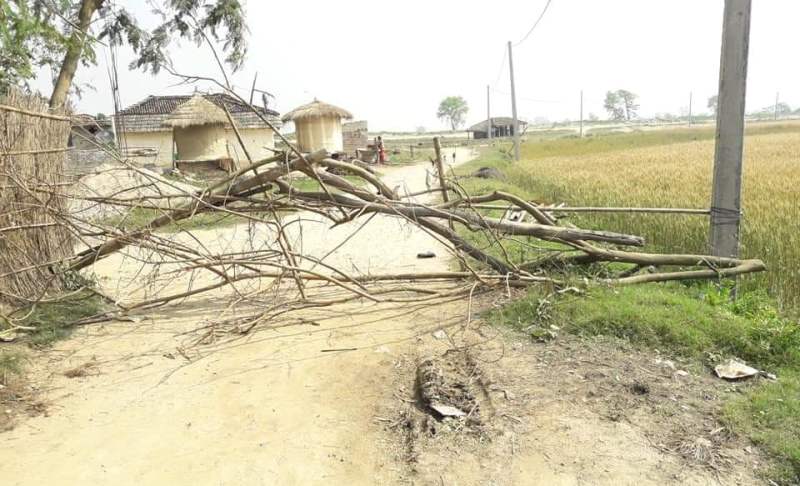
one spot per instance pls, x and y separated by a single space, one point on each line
497 121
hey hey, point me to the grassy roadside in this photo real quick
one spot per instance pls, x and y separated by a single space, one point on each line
668 168
701 324
694 321
47 322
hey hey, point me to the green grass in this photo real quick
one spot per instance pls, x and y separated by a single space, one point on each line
12 363
668 168
769 415
686 320
138 217
53 320
672 168
697 322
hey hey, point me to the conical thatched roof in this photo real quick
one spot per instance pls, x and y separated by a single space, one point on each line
196 111
316 109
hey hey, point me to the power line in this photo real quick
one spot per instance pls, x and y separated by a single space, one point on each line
500 71
532 100
544 10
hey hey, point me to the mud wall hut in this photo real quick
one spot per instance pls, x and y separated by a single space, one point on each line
144 136
198 130
318 126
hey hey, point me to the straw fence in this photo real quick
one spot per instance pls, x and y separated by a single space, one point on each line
33 148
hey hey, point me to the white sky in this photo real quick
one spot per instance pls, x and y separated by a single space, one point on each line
392 62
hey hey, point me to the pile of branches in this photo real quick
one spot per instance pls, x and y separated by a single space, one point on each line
262 193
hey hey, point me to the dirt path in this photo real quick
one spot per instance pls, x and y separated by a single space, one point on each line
310 404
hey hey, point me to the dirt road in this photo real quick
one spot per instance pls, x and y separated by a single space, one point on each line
309 404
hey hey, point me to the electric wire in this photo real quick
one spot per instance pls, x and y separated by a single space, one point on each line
541 15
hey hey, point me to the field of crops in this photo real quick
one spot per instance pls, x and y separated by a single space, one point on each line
672 168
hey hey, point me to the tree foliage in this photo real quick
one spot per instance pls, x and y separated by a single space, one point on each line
47 33
621 105
453 109
712 104
29 39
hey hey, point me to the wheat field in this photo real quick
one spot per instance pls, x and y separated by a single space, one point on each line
673 168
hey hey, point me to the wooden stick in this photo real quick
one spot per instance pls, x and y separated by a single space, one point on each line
36 114
579 209
36 152
745 266
206 200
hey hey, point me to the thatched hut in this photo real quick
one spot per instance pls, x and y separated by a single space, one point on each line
198 129
318 126
145 137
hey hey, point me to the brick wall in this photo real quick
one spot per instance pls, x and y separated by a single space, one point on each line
354 135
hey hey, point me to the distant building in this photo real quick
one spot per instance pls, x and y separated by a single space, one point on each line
502 126
88 132
355 136
142 130
89 139
318 126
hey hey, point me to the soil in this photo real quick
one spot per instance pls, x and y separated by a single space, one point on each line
344 395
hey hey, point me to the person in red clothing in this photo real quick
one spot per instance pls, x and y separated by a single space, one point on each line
381 150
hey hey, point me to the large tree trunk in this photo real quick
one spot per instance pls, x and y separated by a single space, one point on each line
74 49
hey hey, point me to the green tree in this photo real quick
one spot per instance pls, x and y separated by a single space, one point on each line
782 109
58 34
712 104
453 109
621 105
613 106
28 40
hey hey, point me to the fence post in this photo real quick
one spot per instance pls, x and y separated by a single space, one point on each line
437 147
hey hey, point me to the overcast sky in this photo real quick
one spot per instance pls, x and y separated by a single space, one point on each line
392 62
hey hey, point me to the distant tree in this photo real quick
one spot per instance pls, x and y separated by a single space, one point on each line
101 116
593 117
629 103
712 104
621 105
58 34
666 116
613 106
421 129
782 109
453 109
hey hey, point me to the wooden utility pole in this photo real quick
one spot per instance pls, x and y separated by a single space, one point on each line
581 125
727 191
513 102
437 147
690 107
489 112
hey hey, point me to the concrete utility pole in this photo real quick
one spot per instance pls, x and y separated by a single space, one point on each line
727 191
581 125
488 112
513 103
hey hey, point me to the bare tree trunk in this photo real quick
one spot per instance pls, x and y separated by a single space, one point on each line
74 49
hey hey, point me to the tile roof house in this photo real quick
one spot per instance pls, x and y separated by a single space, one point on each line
143 131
